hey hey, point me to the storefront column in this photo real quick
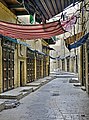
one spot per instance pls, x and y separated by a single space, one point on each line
35 68
0 67
87 67
42 68
15 69
70 64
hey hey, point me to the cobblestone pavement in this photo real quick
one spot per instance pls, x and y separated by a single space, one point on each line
57 100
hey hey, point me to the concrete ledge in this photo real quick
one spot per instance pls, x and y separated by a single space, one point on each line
64 76
21 92
74 80
16 93
34 84
42 81
11 96
35 88
9 99
83 88
2 106
77 84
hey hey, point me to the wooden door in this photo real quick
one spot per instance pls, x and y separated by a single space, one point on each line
8 68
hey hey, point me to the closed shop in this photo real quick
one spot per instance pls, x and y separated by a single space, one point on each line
63 64
44 66
7 64
30 65
38 65
68 60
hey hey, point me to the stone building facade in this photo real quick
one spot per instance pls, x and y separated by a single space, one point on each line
21 61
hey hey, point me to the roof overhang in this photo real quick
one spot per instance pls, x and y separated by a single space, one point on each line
15 6
46 9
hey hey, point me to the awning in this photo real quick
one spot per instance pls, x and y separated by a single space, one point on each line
79 42
64 56
29 32
73 38
48 47
54 58
51 48
8 38
15 40
46 9
23 43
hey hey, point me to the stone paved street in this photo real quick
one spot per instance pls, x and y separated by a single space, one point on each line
57 100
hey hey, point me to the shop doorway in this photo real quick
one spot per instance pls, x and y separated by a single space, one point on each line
8 68
21 73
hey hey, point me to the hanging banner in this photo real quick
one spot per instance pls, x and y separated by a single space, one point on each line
79 42
29 32
74 38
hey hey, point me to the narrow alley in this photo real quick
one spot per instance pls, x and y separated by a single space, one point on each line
57 100
44 59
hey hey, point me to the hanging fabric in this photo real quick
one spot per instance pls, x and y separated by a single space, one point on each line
29 32
79 42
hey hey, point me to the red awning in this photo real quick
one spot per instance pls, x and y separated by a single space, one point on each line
29 32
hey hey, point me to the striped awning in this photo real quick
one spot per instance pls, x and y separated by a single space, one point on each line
46 9
29 32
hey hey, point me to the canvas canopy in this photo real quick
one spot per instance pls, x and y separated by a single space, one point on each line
37 31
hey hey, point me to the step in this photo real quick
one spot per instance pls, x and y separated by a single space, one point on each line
74 80
2 105
16 93
42 81
34 84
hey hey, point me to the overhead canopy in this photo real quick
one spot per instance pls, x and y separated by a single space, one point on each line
48 47
37 31
46 9
14 40
31 31
73 38
79 42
